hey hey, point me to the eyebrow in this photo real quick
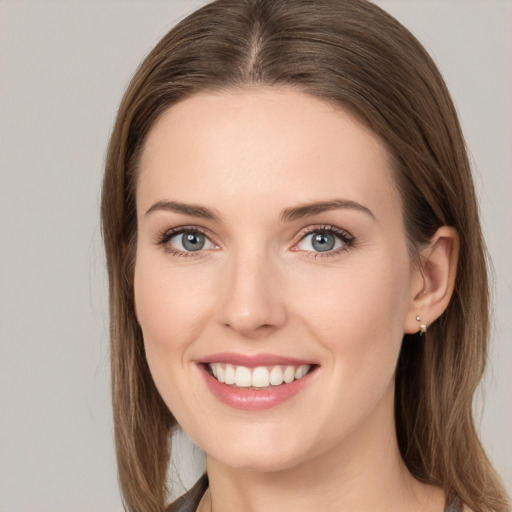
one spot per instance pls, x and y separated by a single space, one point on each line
308 210
187 209
287 215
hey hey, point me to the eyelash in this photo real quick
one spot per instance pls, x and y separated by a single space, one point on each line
165 237
346 238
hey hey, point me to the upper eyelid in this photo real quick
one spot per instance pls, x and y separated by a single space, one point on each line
304 231
183 229
323 227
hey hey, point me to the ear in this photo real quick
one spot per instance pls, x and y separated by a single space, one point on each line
434 282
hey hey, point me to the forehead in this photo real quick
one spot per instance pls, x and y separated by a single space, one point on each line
259 145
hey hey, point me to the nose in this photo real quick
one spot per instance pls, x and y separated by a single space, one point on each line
252 303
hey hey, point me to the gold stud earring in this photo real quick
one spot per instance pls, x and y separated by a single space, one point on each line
423 327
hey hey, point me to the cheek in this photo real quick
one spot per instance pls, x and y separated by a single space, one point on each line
168 306
172 309
357 318
357 314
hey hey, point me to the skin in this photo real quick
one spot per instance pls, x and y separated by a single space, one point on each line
259 286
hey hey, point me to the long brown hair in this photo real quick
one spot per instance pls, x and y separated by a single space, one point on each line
352 54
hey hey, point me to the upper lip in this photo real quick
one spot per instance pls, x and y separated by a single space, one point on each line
252 361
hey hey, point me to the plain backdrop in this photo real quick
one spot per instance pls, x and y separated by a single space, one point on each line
63 67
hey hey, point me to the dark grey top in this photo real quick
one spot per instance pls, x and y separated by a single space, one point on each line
190 500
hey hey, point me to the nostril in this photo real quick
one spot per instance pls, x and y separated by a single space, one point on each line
251 330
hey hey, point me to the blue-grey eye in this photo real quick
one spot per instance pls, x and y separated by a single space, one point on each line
190 241
193 241
321 241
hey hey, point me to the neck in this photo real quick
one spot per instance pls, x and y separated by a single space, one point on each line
364 472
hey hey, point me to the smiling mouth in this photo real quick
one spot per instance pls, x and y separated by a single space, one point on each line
259 377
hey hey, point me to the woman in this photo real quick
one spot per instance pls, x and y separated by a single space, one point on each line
285 210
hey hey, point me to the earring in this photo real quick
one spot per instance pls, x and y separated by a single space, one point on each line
423 327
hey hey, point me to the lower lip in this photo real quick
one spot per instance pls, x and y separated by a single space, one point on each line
254 399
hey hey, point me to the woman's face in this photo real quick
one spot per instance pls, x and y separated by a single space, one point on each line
271 243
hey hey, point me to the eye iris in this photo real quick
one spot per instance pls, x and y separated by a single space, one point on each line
323 242
193 241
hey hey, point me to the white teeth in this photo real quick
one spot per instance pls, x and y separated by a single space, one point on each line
220 373
301 371
276 376
289 374
259 377
229 374
243 377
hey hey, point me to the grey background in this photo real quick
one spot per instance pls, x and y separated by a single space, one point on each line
63 68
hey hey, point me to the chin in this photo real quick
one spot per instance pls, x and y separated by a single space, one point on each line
258 452
256 461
